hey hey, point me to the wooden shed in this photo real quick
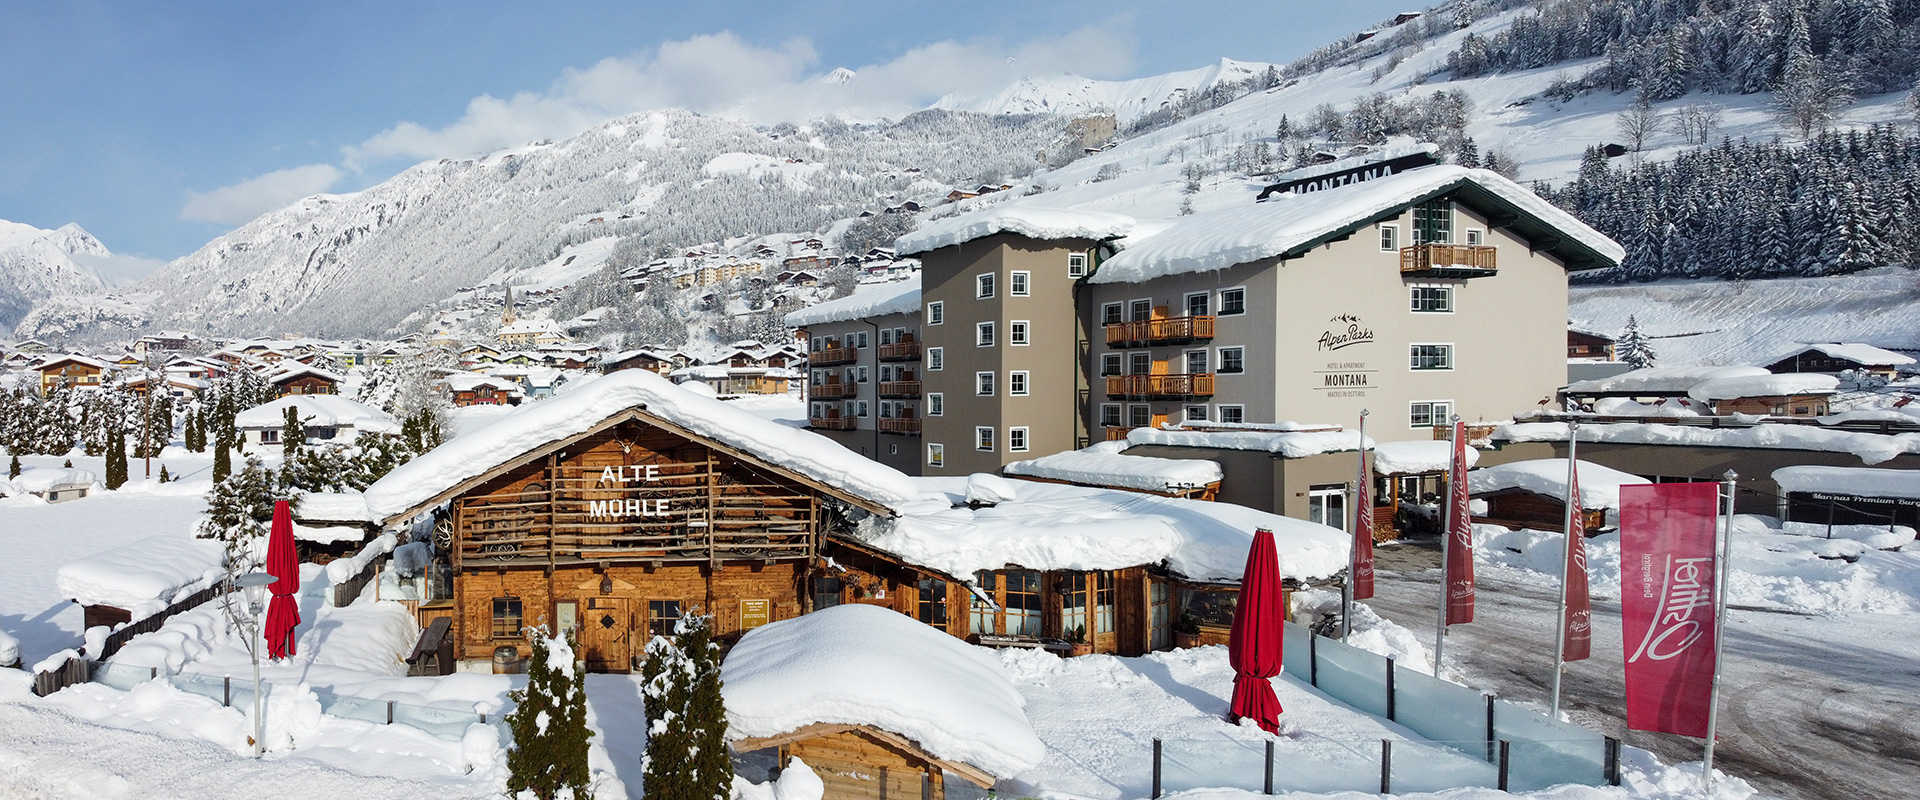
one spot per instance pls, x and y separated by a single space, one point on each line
1532 494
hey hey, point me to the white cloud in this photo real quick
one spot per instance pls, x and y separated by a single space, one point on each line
719 74
241 202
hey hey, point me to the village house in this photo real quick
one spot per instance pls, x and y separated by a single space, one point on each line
76 371
473 389
164 342
298 378
652 361
864 365
1532 494
52 484
325 418
526 333
1836 357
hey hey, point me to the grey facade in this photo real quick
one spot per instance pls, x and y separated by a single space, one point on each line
863 387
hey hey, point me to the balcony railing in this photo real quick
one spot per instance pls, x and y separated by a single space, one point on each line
1447 260
906 426
1117 434
832 391
1167 330
900 351
899 388
831 423
1169 387
832 355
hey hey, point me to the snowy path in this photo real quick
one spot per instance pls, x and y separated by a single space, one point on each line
1812 707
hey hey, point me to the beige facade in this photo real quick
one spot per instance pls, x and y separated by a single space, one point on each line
863 387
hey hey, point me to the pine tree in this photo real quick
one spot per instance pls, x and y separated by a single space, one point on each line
116 457
292 434
711 771
164 477
1633 346
549 722
240 509
222 455
686 729
13 468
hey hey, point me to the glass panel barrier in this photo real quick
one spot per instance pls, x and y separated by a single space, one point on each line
1437 709
1438 766
1295 656
121 676
1547 752
1212 764
1325 765
1353 676
443 723
362 709
204 685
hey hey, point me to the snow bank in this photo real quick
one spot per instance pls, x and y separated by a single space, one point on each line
1032 221
1426 455
319 410
9 650
1626 407
341 569
146 573
1100 468
1056 526
866 665
533 426
1599 486
1871 448
46 479
332 507
1217 240
1769 385
1859 481
1662 380
895 297
1286 444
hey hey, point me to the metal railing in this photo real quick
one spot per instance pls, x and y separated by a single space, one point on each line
441 723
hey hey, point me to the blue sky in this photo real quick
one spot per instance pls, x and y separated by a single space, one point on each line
158 126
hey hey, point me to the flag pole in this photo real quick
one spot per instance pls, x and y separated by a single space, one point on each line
1719 627
1446 545
1566 565
1353 549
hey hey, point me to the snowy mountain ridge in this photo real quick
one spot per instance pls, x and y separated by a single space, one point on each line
1127 100
37 264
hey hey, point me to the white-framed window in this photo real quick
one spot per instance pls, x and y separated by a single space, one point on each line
1140 310
886 409
1139 415
861 337
1110 364
1017 382
863 408
1139 362
1196 413
1019 283
1389 237
1112 313
983 438
983 286
1430 299
1233 360
1197 361
1327 504
886 336
853 374
1429 413
936 454
936 359
1017 333
1232 415
1233 301
1110 415
936 404
1076 265
850 408
936 313
863 375
1430 357
983 384
270 436
1475 236
1017 440
886 373
983 334
1199 304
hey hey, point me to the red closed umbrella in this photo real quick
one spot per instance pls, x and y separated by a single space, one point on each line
283 562
1259 620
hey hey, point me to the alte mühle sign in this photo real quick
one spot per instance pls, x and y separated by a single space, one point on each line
630 507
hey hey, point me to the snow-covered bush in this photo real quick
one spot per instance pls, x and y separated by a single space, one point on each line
548 757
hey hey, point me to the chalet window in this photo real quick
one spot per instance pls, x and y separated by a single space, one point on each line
1017 440
1475 236
1074 619
662 616
1327 504
1233 301
1110 415
1142 310
1432 299
1197 305
1139 416
983 438
1196 413
936 359
1429 413
980 612
932 602
826 592
1019 283
1433 222
886 336
1431 356
983 384
1110 363
1017 332
936 455
936 313
270 437
983 286
936 404
1111 314
1017 382
1021 602
506 618
1160 616
1233 360
983 334
1232 415
1389 237
1076 265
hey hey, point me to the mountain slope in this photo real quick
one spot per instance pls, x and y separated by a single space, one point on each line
1127 100
39 264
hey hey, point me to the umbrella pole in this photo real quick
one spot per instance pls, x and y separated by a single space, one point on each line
1719 630
1566 568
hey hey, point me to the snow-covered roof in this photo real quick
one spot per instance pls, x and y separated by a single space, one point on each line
294 369
1309 441
1032 221
332 507
46 479
470 381
866 665
149 570
523 326
1599 486
1217 240
576 412
1423 455
319 410
1871 448
1057 526
1858 481
1104 465
1662 380
892 297
1863 354
76 358
1768 385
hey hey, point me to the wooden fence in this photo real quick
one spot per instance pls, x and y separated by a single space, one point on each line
80 670
347 591
74 670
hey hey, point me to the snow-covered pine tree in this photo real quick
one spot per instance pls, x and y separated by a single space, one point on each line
223 437
711 770
116 449
292 434
686 720
1633 346
548 758
164 477
13 467
240 510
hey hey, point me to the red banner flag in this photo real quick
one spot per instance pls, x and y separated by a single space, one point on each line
1459 534
1363 530
1667 568
1579 621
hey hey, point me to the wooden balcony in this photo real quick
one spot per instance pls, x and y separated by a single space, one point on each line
832 355
832 391
900 351
907 426
1178 386
899 388
1447 260
1117 434
1167 330
831 423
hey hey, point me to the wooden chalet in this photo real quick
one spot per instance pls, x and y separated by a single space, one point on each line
1532 494
1835 358
657 363
304 379
77 371
1589 345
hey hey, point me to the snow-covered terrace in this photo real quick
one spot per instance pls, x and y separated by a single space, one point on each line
892 297
1103 464
1599 485
1870 448
1859 481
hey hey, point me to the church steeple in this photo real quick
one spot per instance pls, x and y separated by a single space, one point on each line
506 314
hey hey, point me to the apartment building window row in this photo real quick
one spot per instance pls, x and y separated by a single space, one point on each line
936 359
1432 299
1431 357
856 408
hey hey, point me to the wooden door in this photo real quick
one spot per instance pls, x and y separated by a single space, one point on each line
606 635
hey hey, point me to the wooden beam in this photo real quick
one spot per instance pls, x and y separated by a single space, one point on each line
752 743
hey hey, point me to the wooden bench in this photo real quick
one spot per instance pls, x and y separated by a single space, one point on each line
434 645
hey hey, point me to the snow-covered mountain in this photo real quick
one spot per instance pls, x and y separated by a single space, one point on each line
38 264
1126 100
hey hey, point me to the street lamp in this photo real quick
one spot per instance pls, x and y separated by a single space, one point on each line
253 586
